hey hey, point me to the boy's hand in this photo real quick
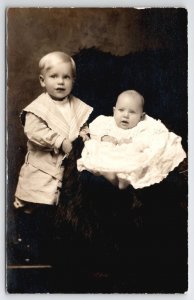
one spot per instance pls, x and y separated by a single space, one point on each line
84 133
109 139
66 146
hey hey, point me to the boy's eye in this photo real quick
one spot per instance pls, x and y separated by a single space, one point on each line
53 76
66 77
121 109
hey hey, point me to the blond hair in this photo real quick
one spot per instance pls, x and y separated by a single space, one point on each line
50 59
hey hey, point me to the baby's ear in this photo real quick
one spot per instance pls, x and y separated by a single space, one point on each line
113 110
143 116
41 78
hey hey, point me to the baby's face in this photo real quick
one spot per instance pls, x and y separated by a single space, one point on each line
58 80
128 111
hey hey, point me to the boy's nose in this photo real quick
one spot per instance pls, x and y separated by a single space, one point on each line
61 81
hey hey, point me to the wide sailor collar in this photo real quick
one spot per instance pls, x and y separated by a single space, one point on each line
45 108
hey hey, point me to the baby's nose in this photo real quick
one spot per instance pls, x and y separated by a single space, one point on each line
126 114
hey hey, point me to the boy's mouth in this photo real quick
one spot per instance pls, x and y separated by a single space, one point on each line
60 89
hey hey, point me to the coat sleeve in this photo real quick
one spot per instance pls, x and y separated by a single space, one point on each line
40 134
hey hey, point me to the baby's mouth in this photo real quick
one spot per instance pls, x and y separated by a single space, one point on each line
125 122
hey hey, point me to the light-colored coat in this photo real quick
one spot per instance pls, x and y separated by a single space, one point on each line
46 128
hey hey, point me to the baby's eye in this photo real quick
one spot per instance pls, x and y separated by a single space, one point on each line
121 109
53 76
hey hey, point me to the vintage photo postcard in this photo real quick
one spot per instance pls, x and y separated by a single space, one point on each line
97 128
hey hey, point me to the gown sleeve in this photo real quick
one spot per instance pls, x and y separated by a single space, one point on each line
99 127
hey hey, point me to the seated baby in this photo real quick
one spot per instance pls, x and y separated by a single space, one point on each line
130 147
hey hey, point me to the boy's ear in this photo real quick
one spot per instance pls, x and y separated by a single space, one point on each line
113 110
41 78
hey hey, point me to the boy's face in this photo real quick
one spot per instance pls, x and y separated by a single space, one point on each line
58 80
128 111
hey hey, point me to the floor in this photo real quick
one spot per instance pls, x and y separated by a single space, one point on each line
159 270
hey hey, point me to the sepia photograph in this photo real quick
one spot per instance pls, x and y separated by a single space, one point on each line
96 150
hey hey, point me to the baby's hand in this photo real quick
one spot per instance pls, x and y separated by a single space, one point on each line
110 139
124 141
84 133
66 146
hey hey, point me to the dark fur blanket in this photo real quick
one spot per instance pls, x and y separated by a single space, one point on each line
99 225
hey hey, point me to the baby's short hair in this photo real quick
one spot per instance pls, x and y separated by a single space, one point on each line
48 60
133 93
